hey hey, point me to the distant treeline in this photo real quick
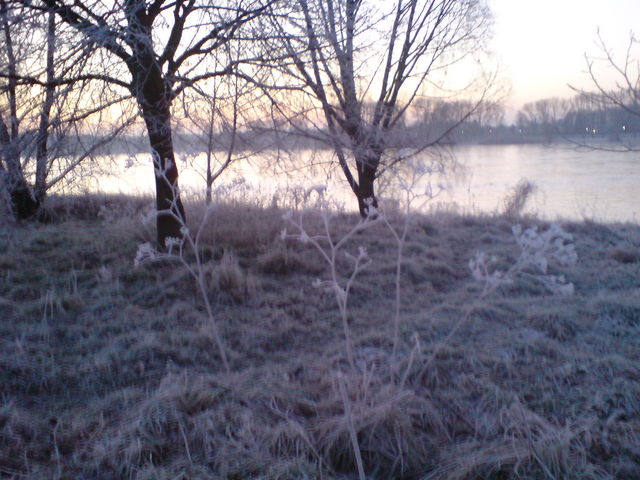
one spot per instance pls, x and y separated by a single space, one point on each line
576 116
448 122
541 121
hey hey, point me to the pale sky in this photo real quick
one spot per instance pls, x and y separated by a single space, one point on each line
541 43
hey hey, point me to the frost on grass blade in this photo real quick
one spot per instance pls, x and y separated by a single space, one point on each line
173 244
480 266
149 217
145 253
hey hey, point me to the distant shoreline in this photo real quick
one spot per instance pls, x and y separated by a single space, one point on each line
631 140
261 141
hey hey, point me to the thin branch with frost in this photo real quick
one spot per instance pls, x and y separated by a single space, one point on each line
412 198
329 248
175 250
626 93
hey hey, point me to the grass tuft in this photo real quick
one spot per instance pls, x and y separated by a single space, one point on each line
624 254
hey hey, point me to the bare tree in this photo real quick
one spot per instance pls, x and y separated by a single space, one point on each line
41 114
362 64
21 201
203 125
624 94
162 45
214 115
543 116
434 119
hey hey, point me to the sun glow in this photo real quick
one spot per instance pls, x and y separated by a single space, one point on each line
542 45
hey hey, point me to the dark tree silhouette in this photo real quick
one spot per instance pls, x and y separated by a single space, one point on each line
363 63
40 115
619 103
163 45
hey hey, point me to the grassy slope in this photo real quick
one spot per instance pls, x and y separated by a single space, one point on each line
107 371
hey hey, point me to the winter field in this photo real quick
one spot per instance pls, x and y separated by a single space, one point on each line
388 357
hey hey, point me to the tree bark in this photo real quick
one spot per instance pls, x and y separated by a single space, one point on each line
365 190
23 204
42 139
153 97
171 215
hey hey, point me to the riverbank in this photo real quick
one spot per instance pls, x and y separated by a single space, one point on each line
109 370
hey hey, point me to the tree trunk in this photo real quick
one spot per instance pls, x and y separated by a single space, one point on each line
153 97
210 154
367 166
42 139
366 194
23 204
171 215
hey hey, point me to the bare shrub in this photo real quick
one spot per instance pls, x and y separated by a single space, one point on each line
409 198
537 251
228 276
516 200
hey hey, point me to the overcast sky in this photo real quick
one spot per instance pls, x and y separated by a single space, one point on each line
541 43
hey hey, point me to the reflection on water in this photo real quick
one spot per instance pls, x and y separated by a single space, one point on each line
572 183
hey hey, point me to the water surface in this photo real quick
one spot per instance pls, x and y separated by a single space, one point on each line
572 183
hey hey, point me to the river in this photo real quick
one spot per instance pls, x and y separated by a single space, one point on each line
572 183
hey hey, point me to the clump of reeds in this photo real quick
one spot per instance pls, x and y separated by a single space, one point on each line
516 200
